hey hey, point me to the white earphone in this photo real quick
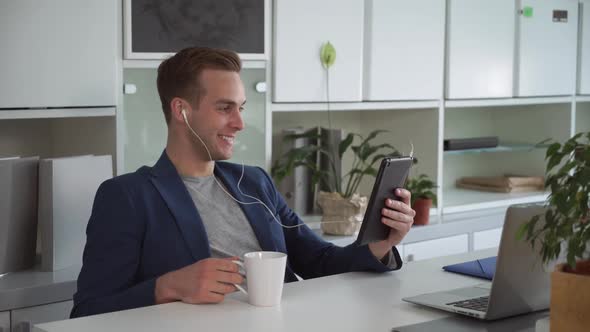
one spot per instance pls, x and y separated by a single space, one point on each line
183 111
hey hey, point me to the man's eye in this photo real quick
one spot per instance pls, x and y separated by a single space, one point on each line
242 108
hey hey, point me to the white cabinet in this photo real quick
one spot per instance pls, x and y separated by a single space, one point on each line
24 319
435 248
480 47
301 28
404 49
547 39
487 239
58 53
5 321
584 53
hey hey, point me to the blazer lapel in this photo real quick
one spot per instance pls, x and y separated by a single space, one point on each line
256 214
167 181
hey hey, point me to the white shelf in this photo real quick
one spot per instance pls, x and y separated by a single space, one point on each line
246 64
313 221
421 104
462 200
57 113
339 106
507 101
583 99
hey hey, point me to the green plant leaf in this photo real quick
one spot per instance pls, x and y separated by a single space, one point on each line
421 187
552 149
373 134
566 218
327 55
343 146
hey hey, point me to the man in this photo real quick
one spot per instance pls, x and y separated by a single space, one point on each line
169 232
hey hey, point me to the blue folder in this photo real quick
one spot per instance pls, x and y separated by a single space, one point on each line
481 268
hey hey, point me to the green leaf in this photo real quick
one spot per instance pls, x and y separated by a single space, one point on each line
552 149
421 186
373 134
554 160
327 55
343 146
370 171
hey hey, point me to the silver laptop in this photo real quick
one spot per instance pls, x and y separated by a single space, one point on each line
521 281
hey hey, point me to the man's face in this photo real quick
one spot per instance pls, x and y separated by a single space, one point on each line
217 119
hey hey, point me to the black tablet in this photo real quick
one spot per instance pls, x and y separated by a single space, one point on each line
392 174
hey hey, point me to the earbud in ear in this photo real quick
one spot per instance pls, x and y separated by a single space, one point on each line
184 114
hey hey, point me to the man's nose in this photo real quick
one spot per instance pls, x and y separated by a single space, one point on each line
237 121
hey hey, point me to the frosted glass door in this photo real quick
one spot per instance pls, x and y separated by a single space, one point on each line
301 28
144 128
404 43
480 48
547 47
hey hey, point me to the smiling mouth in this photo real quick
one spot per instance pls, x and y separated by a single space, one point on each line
228 139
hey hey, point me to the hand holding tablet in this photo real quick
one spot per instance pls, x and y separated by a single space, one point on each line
393 173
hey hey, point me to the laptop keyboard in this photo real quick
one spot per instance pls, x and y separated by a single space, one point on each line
478 304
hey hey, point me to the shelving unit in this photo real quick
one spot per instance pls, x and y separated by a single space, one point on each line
482 77
57 113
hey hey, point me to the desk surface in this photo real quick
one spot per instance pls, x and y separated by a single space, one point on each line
347 302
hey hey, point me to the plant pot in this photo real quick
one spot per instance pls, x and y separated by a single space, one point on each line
570 298
341 216
422 207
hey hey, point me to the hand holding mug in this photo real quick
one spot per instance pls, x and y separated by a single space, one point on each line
206 281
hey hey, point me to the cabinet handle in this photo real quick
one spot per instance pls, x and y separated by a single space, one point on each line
22 327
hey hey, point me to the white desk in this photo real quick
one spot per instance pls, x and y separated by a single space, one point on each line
347 302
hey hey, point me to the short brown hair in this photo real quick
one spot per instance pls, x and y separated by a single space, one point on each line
179 75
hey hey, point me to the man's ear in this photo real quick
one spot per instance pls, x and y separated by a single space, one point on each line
177 106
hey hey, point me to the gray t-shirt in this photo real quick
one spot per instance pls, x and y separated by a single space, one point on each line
228 230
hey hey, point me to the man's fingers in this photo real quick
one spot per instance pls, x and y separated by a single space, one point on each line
225 264
223 288
397 216
400 226
404 194
230 277
213 297
400 206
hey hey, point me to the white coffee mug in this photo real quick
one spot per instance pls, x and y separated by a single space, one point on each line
265 275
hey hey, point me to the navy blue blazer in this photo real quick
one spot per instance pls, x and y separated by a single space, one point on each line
145 224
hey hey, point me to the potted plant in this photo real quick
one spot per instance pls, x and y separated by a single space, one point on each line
423 197
565 227
342 206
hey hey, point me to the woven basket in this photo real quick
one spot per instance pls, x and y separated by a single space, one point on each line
341 216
